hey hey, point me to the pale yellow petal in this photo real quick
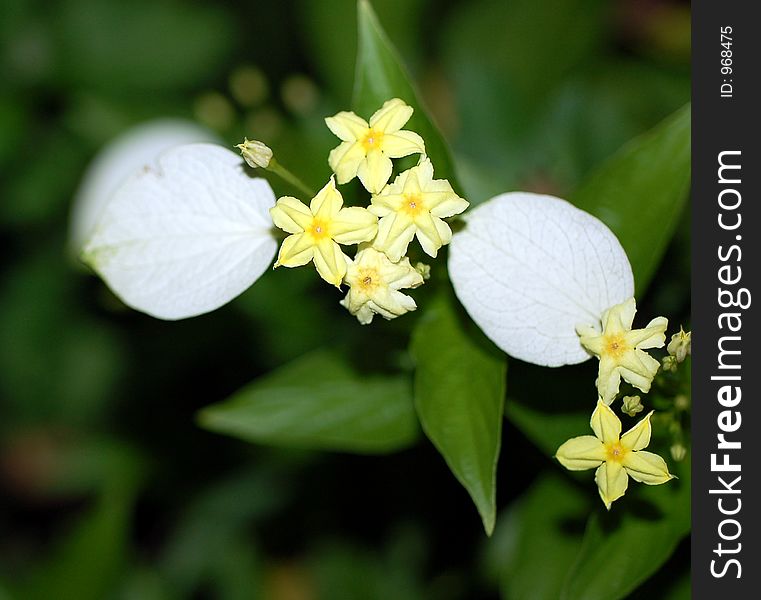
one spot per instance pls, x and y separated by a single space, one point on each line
428 233
395 232
291 215
328 201
619 318
382 204
347 126
345 159
612 481
608 379
590 338
330 262
445 204
638 368
605 423
638 437
581 453
402 143
652 336
353 225
647 467
295 251
391 116
374 171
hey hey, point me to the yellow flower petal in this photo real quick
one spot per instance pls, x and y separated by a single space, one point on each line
328 201
330 261
345 159
605 423
395 232
375 171
295 251
347 126
291 215
353 225
432 233
581 453
392 116
608 379
638 437
647 467
652 336
402 143
612 481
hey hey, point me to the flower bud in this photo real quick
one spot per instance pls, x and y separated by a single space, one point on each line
680 345
632 405
255 153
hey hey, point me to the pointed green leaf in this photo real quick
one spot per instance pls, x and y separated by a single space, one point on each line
459 396
381 76
318 402
641 191
625 546
538 539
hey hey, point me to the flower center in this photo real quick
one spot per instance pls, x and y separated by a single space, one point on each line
368 280
373 139
616 346
413 204
318 229
616 452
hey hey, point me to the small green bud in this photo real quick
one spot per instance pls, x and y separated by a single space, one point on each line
632 405
255 153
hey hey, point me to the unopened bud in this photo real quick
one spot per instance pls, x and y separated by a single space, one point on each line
680 345
669 363
678 452
632 405
255 153
424 270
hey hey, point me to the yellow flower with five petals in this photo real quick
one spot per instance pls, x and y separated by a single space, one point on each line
414 205
374 283
318 229
616 457
621 349
366 149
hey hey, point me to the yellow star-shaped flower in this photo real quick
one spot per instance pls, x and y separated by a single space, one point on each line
414 205
374 283
317 230
366 148
621 349
617 457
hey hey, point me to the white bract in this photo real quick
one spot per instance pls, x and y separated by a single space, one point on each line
187 237
528 268
134 149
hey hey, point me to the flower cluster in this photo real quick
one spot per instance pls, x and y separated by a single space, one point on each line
413 205
621 352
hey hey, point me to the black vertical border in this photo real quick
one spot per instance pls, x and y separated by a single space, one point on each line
720 124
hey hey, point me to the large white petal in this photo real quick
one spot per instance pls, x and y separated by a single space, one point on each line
187 237
528 268
134 149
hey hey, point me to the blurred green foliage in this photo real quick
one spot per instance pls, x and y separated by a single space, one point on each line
109 489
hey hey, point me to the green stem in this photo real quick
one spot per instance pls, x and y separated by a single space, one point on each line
279 170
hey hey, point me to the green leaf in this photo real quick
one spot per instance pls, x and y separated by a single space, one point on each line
318 402
640 192
381 76
538 538
547 431
459 397
88 562
625 546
